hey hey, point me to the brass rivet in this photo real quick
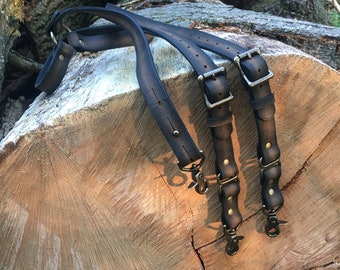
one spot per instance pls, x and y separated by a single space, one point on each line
268 145
61 57
226 162
230 199
230 212
271 192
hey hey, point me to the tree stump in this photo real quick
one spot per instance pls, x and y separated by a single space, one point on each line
88 182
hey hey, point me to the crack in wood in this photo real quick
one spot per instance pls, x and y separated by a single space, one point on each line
196 250
305 164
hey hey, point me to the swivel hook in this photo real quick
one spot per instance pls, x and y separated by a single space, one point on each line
272 228
200 183
232 242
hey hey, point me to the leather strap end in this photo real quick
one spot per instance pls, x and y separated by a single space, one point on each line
54 68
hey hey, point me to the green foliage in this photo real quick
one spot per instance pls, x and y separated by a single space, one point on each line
335 18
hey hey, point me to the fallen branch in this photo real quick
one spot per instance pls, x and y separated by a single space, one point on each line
335 4
23 63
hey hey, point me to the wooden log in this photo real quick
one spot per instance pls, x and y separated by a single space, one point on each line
88 182
321 41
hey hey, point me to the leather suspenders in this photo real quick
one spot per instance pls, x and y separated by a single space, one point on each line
130 29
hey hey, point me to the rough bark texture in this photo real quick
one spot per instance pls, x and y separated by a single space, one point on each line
38 14
88 182
321 41
306 10
10 16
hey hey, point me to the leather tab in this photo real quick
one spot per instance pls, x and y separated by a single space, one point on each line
271 194
54 68
231 216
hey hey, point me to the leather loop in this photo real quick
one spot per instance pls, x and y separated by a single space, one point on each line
54 68
220 120
262 102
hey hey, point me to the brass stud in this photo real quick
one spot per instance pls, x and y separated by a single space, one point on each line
61 57
230 212
226 162
271 192
268 145
230 199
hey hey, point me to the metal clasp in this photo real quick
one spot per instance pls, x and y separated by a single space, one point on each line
222 182
212 75
232 241
276 162
249 54
272 228
199 182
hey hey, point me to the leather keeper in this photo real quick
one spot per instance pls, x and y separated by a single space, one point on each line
258 104
220 120
54 68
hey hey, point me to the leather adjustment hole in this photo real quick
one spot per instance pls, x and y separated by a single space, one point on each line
259 70
197 55
205 66
228 48
188 47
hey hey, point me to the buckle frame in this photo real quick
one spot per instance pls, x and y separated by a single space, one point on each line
212 75
248 55
53 37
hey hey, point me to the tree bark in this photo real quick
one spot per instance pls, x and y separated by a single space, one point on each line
303 10
10 16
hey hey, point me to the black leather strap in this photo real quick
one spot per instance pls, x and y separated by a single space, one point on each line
128 31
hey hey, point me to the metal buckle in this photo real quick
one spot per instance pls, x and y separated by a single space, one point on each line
53 37
249 54
212 75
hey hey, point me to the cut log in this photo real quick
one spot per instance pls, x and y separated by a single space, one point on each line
321 41
88 182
